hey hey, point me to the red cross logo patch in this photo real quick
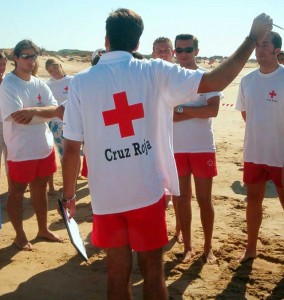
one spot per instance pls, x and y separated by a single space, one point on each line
39 97
123 114
66 89
272 94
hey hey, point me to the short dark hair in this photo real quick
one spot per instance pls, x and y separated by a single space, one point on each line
162 40
24 45
276 39
185 37
123 29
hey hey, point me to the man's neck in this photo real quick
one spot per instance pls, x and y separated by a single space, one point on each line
267 69
23 75
191 66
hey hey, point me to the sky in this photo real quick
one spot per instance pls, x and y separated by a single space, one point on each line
219 25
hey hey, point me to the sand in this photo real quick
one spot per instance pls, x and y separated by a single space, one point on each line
55 271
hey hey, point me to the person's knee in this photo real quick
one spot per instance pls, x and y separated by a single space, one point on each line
17 190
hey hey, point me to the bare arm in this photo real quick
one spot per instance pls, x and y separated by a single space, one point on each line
59 112
226 72
203 112
70 165
283 177
24 116
244 115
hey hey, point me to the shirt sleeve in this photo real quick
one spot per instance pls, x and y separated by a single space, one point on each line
240 104
213 94
10 100
48 98
72 119
179 85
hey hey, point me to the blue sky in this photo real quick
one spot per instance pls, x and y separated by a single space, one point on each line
67 24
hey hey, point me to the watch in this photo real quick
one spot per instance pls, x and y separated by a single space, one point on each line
179 109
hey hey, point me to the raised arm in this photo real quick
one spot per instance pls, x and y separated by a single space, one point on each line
226 72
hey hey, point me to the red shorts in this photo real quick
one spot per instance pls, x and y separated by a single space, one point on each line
144 229
201 165
257 173
28 170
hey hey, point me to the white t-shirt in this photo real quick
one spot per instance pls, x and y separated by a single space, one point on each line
31 141
129 166
59 88
195 135
261 96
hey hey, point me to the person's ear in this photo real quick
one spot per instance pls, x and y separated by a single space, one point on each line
277 51
136 47
107 44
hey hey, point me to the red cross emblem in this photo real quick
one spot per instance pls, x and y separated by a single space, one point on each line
123 114
39 97
66 89
272 94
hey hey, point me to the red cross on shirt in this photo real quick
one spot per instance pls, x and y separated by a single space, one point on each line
66 89
39 97
123 114
272 94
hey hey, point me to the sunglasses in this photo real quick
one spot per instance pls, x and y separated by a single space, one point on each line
186 50
27 56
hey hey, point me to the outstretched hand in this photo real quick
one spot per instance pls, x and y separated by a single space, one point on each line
261 25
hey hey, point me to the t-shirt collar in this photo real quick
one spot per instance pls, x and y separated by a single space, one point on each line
114 56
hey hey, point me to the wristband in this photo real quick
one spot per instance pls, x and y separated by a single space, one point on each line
67 200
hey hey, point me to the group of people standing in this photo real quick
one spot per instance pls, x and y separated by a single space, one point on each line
131 115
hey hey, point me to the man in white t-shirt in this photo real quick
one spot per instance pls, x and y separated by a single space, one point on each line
261 102
194 149
163 49
121 110
26 102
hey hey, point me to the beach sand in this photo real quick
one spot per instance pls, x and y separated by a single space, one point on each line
55 271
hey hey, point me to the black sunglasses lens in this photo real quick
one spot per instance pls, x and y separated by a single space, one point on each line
187 50
27 56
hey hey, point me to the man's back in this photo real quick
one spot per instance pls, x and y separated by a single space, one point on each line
123 106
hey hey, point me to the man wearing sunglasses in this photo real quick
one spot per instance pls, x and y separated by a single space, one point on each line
26 103
194 149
